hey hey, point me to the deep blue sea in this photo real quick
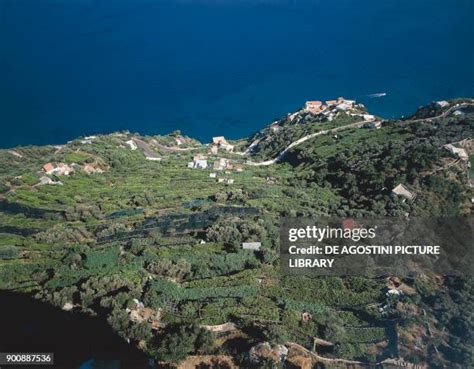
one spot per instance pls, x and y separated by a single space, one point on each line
220 67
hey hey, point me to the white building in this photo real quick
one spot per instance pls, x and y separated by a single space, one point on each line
402 191
219 140
442 104
200 164
251 246
368 117
291 117
375 125
152 157
227 147
44 180
220 164
131 144
343 107
314 106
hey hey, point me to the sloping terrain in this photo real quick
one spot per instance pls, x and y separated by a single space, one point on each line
134 235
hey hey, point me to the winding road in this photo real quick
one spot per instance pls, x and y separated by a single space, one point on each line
348 126
306 138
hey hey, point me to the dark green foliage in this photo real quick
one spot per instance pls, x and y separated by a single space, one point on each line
235 232
180 341
102 259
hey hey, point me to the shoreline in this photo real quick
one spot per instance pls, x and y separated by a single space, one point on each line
144 134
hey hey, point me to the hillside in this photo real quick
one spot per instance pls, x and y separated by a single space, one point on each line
147 231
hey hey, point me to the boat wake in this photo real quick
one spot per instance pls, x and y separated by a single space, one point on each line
380 94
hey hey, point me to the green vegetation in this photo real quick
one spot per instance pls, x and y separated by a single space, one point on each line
170 238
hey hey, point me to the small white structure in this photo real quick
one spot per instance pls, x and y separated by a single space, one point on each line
314 106
220 180
460 153
376 124
368 117
221 164
212 175
213 150
133 146
341 100
44 180
68 306
343 107
200 164
393 292
251 246
291 117
63 169
402 191
152 157
459 113
219 140
227 147
230 181
442 103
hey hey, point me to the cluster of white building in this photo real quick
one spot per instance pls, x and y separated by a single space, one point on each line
60 169
328 108
221 164
341 104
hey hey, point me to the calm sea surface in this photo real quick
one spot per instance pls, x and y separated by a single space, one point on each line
220 67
